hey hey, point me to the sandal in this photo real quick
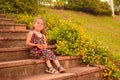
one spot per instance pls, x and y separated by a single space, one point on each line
51 70
61 69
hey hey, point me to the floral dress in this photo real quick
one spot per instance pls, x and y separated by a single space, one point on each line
36 53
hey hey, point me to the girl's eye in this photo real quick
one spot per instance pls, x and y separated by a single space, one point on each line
40 23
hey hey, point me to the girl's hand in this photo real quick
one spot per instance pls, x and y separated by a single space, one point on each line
40 46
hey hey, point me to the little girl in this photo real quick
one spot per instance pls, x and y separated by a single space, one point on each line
37 40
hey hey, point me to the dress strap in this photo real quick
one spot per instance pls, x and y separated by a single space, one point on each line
34 35
33 32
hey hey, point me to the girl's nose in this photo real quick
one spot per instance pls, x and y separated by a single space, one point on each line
40 24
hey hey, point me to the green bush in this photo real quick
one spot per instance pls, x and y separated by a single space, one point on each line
18 6
25 19
68 36
96 53
59 3
117 6
91 6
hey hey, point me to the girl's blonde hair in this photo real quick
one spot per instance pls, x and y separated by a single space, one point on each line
44 24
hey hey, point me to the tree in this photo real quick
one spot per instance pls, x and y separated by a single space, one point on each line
117 6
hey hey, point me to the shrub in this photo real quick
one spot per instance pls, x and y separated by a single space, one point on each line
91 6
117 6
96 53
18 6
68 38
60 3
25 19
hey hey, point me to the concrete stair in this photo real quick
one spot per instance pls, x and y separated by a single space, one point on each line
16 65
31 69
2 16
6 20
9 43
13 34
77 73
12 26
16 53
25 68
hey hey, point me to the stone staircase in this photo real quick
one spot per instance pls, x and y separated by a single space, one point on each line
16 65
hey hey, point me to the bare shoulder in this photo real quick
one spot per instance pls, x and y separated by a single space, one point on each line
44 36
31 32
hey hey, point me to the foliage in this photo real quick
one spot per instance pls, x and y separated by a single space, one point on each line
91 6
117 6
96 54
66 36
26 19
111 72
18 6
60 3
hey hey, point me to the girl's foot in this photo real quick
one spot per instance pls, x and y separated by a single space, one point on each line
51 70
61 69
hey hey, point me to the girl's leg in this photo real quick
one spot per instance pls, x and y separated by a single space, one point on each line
56 62
60 68
50 69
48 63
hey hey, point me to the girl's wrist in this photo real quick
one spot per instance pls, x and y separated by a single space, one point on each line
36 45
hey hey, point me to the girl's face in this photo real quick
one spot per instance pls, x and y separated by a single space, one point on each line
39 25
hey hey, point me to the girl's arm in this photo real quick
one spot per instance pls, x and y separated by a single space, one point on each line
29 36
45 42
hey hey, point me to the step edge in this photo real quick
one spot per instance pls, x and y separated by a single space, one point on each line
7 19
12 24
7 64
21 48
96 69
1 38
72 74
14 31
78 74
69 74
2 15
14 49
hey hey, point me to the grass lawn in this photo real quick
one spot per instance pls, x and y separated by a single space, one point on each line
103 28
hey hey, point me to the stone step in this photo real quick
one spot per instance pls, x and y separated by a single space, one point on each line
2 16
10 42
76 73
6 20
25 68
18 27
13 34
17 53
